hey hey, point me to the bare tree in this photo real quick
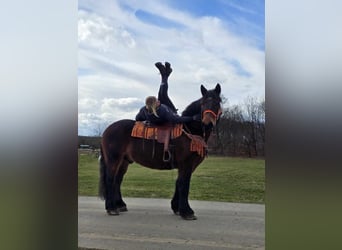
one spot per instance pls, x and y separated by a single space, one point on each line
241 129
261 125
255 116
229 131
99 128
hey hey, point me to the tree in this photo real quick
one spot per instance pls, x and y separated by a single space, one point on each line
229 131
241 130
99 128
255 121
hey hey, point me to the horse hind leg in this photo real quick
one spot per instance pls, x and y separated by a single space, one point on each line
102 180
120 204
110 205
111 193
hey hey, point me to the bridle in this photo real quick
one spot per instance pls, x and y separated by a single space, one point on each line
216 116
206 111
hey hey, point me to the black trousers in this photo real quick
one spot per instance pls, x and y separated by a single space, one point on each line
163 97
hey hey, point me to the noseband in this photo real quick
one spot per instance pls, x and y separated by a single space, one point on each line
216 116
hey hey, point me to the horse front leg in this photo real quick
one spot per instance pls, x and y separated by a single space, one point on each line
175 200
183 183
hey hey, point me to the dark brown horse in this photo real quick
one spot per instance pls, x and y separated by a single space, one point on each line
119 149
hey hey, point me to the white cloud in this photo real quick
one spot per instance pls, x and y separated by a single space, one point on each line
122 104
120 50
98 33
87 102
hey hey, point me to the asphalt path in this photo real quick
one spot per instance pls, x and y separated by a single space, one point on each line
150 224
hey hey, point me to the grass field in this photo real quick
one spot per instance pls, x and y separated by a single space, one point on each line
216 179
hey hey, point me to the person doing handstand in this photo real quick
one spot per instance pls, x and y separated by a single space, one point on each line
160 111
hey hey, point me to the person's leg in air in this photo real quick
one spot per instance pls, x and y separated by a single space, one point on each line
163 97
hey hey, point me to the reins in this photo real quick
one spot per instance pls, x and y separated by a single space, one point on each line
188 132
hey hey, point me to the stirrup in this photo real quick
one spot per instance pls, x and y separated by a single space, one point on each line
169 156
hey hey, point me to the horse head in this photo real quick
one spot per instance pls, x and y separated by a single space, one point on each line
211 105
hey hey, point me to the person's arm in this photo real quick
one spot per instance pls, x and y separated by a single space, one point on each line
169 116
182 119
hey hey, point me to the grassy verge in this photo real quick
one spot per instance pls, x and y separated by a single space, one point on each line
216 179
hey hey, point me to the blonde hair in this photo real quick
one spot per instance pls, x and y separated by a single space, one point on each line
151 105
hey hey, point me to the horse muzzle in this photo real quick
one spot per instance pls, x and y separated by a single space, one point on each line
210 116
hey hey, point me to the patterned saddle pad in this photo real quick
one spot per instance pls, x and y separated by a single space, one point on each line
152 132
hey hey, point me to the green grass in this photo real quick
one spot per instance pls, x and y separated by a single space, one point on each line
216 179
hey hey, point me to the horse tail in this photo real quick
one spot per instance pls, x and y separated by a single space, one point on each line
102 168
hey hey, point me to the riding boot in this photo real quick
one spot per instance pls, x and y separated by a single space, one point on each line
164 74
165 71
168 69
161 68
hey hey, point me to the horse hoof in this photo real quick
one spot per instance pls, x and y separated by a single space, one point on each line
189 217
123 209
113 212
176 212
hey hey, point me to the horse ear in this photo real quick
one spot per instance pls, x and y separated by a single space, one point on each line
218 89
203 90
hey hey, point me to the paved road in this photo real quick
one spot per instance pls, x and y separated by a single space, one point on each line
150 224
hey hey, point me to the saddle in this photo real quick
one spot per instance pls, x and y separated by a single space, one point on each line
161 133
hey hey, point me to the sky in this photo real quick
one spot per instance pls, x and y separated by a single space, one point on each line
206 42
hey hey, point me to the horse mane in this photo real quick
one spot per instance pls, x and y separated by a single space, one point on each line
193 108
194 127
